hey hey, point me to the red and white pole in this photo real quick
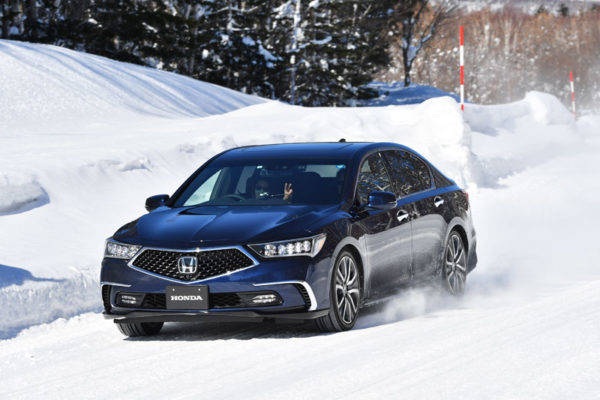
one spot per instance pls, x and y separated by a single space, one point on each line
462 69
572 94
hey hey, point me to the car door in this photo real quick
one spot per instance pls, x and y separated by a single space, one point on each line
429 225
388 243
404 213
379 239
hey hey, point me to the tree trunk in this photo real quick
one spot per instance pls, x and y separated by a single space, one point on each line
296 26
31 21
407 67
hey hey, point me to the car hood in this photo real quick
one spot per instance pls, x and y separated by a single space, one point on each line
222 225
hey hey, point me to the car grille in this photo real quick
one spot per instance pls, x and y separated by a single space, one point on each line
225 300
156 301
210 263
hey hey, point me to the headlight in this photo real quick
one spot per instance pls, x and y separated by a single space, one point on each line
115 249
309 246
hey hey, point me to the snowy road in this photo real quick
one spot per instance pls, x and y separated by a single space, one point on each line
544 347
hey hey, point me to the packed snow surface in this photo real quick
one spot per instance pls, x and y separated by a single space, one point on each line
85 140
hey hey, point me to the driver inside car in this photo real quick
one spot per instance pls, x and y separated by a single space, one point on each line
261 190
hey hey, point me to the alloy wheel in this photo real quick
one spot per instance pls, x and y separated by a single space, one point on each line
455 266
347 293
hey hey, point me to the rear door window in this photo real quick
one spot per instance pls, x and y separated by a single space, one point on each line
409 173
423 176
373 177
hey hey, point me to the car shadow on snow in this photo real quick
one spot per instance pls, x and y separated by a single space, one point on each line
210 331
18 276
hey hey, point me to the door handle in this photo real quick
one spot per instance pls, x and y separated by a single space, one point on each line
438 201
402 215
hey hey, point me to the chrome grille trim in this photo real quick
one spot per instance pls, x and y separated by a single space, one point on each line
196 250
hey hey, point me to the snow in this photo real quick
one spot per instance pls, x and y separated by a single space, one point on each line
85 140
16 196
248 41
396 94
323 41
49 89
265 53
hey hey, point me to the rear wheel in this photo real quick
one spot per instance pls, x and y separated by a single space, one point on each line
344 295
136 329
454 273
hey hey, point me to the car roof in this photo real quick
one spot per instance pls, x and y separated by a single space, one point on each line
306 150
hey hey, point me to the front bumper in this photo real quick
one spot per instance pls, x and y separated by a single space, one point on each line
301 283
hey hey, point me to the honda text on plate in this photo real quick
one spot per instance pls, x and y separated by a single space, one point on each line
304 231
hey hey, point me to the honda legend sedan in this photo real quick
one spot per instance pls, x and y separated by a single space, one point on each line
303 231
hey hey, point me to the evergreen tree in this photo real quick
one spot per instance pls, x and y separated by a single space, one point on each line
332 51
309 52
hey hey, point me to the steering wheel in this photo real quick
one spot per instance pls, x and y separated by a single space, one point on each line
235 196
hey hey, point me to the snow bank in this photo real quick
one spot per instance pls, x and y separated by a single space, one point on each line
536 107
90 139
32 300
45 88
509 138
18 195
396 94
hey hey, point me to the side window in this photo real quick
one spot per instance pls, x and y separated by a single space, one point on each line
423 176
372 177
410 174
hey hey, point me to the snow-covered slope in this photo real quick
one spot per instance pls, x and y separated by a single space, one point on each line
70 176
46 89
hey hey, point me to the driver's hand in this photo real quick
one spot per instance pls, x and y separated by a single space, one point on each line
287 191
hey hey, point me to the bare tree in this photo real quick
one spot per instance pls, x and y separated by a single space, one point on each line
415 23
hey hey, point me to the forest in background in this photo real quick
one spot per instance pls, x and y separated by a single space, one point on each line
325 52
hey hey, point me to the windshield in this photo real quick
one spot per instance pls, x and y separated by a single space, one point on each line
264 183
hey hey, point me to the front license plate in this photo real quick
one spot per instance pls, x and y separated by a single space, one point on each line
187 297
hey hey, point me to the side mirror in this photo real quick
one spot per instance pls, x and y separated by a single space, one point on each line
382 200
153 202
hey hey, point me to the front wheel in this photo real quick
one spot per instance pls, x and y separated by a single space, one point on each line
454 272
136 329
344 296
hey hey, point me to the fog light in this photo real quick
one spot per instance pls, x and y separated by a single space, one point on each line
129 299
265 299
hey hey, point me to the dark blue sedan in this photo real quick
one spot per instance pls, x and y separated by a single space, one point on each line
303 231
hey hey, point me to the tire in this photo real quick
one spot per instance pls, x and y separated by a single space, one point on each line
136 329
344 294
454 265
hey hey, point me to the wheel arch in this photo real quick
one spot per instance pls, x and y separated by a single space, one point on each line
458 225
354 251
463 235
353 247
455 225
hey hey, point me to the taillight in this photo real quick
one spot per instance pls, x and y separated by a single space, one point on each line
466 198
